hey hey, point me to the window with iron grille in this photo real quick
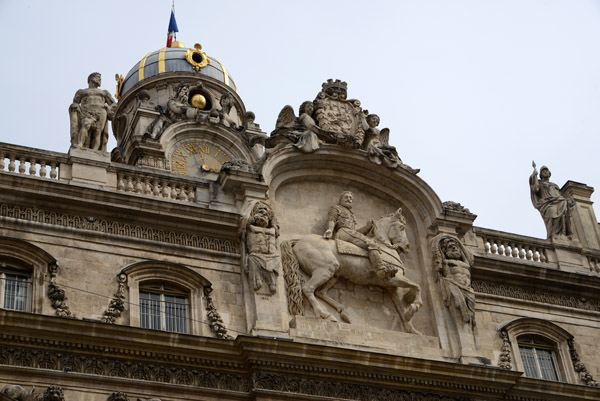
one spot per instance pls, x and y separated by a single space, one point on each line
539 359
164 308
15 290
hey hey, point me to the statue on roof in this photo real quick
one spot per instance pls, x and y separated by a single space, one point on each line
89 114
552 205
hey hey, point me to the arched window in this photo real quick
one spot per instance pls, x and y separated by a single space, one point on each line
540 349
22 270
539 358
166 296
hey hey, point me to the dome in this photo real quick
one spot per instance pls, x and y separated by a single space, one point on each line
171 60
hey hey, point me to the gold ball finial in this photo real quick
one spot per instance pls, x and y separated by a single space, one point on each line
199 101
177 44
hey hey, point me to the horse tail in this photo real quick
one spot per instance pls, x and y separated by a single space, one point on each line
291 275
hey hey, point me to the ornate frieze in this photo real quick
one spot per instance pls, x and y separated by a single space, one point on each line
335 389
108 366
117 228
18 393
504 290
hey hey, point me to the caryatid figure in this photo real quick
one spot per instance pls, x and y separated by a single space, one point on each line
89 113
263 261
454 263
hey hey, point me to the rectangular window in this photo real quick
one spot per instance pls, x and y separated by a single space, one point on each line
15 291
539 363
160 311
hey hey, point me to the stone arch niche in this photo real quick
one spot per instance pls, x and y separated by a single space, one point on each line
302 189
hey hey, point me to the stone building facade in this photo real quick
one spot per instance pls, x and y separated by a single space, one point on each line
204 259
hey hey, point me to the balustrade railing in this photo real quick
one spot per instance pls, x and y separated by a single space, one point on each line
594 262
155 184
30 161
513 246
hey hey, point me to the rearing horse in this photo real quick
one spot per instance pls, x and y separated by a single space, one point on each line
321 260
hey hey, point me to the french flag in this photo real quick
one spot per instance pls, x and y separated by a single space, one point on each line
172 29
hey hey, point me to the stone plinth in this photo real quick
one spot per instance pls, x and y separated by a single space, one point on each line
320 331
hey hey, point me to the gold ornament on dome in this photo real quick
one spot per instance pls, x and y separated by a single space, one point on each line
199 101
197 58
119 79
177 44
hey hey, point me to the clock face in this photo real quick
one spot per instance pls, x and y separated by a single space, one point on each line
198 159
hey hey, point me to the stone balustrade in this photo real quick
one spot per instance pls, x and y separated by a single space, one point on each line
594 262
514 246
130 179
31 161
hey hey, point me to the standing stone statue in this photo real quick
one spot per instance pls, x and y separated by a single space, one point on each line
552 205
261 232
453 262
341 224
89 114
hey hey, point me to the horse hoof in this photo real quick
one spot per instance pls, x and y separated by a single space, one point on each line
345 317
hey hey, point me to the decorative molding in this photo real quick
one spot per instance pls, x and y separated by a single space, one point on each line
57 295
67 346
106 366
486 287
579 367
117 302
214 319
117 228
505 354
335 389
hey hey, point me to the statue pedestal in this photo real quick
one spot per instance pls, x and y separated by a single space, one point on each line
88 167
269 312
319 331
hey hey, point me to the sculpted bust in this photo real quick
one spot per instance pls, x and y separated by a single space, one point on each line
89 113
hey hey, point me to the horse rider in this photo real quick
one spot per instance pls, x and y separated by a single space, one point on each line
341 224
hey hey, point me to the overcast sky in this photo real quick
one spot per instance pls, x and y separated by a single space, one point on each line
472 91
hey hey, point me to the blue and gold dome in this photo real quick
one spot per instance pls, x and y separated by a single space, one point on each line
176 59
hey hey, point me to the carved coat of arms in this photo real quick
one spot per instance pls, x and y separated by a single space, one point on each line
342 118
